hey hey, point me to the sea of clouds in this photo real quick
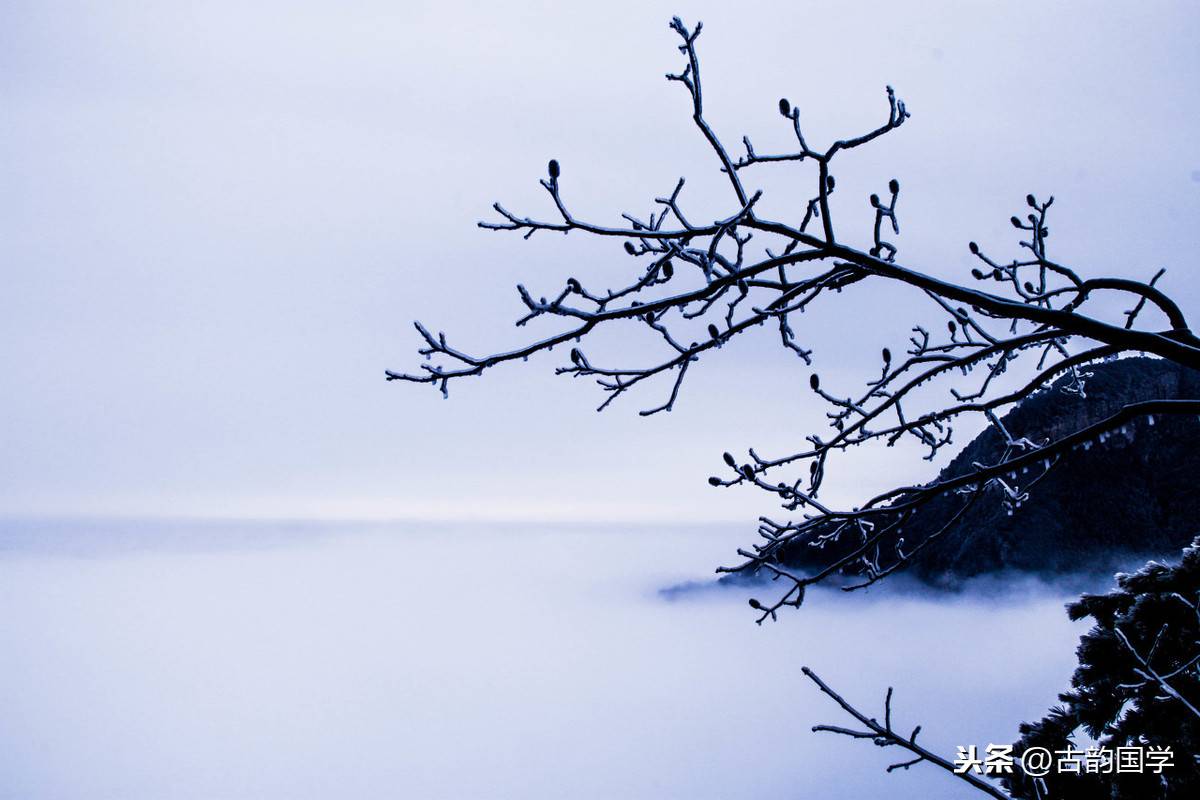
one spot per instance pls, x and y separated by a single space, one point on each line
168 660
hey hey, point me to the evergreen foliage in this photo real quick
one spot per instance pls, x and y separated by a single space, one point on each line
1137 685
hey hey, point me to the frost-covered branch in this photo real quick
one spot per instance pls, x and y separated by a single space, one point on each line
692 286
884 735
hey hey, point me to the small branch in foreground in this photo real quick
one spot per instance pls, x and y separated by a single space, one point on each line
884 736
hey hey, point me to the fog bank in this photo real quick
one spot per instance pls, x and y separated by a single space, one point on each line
293 662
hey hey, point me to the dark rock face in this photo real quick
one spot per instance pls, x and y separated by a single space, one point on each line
1135 493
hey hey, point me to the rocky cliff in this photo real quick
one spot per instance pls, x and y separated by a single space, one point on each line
1137 493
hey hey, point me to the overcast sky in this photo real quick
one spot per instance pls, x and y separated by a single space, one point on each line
220 219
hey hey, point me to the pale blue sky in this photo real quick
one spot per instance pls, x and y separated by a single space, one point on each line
220 219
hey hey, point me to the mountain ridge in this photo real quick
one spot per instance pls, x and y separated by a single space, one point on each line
1133 494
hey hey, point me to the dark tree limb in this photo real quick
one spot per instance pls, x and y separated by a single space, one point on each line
698 286
884 735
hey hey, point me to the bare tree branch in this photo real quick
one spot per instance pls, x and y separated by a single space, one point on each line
883 735
698 286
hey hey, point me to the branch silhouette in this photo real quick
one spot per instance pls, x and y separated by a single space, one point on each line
884 735
694 286
693 276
